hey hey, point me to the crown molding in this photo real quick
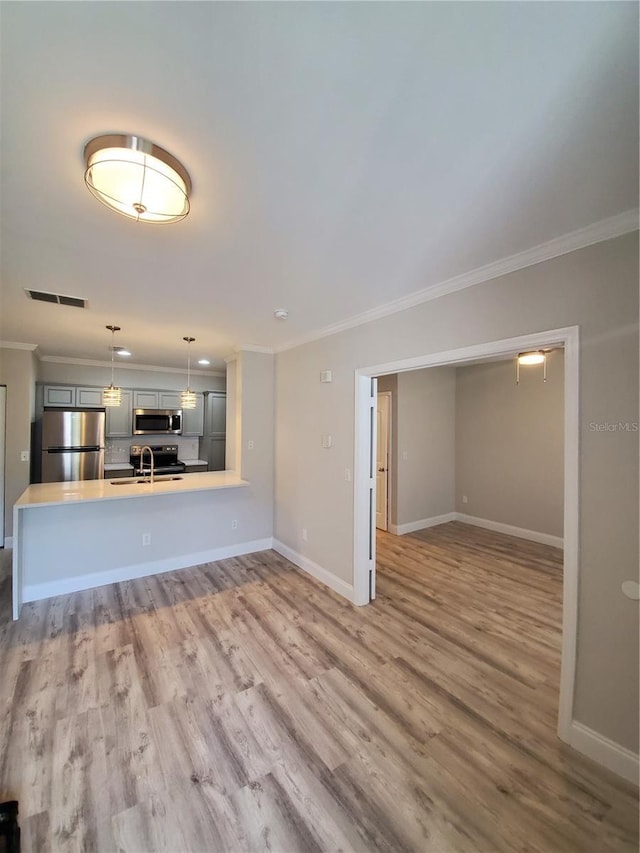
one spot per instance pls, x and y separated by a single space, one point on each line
16 345
87 362
605 229
254 348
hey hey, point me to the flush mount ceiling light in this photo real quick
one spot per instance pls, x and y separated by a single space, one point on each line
529 358
281 314
137 178
188 398
112 396
120 351
204 361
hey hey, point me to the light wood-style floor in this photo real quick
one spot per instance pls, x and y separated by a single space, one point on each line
240 706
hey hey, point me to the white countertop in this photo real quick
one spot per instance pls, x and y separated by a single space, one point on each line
51 494
118 466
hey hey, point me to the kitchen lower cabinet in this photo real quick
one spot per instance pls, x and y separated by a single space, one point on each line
119 418
213 450
118 473
195 469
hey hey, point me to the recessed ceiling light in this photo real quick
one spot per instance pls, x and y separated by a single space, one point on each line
281 314
121 351
204 361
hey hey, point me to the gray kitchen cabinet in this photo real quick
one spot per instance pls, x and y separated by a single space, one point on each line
118 473
169 400
193 419
89 398
145 400
195 469
72 396
119 418
213 443
59 395
213 450
215 421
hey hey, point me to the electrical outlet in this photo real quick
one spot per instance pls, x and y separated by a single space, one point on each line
234 524
304 534
250 445
146 539
347 474
465 499
24 455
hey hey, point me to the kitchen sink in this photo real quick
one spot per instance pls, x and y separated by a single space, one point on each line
159 479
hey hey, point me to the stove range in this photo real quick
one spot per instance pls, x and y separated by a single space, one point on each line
165 459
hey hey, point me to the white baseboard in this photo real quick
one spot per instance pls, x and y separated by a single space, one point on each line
36 592
421 524
607 752
510 530
318 572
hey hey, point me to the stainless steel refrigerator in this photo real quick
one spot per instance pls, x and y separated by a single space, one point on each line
72 446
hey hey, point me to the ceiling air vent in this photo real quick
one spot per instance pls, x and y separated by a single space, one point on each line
43 296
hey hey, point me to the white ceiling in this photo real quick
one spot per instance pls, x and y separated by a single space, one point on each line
343 155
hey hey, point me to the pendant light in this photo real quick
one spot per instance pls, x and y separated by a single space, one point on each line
188 398
112 396
137 178
528 358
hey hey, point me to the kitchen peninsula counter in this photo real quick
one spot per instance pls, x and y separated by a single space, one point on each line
76 536
52 494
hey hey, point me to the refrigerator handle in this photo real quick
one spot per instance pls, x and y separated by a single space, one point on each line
84 448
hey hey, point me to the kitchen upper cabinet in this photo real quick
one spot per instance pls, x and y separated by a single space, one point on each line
193 419
145 400
215 419
59 395
89 398
72 396
169 400
119 418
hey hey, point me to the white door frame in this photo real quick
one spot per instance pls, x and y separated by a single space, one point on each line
364 549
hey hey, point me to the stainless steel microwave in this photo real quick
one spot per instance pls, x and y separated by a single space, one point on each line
157 421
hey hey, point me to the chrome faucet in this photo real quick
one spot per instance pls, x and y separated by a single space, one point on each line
142 450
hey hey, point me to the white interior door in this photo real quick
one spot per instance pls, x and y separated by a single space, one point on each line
382 460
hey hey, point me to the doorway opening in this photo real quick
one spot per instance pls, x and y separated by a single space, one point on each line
365 497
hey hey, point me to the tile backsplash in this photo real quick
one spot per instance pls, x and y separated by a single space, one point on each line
117 449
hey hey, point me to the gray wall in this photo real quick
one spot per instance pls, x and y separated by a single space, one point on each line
425 435
595 288
17 372
509 444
